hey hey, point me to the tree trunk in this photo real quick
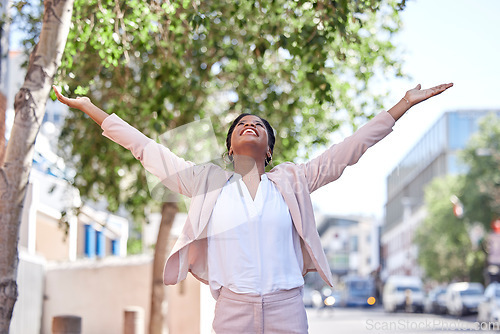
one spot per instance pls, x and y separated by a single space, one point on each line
29 107
4 58
158 317
3 112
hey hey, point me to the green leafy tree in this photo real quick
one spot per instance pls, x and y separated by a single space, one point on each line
305 66
445 251
481 195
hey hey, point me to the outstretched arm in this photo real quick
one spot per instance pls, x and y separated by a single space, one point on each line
331 164
174 172
415 96
84 104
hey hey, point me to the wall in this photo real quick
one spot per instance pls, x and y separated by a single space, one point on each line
27 315
51 240
97 291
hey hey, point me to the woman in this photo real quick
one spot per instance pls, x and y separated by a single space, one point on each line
250 235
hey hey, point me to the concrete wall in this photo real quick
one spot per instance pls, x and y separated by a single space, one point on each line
97 291
27 315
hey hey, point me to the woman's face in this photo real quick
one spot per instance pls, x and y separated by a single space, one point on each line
249 134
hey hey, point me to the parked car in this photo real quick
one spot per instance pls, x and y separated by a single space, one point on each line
489 308
403 293
463 298
436 301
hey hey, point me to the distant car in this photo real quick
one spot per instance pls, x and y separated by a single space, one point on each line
489 309
463 298
403 293
436 301
326 298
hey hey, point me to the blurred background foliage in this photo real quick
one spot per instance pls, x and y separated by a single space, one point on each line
306 66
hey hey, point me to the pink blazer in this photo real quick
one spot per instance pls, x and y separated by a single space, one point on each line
203 183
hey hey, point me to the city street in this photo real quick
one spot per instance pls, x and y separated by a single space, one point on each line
375 320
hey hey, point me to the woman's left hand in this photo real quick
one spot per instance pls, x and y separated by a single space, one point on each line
417 95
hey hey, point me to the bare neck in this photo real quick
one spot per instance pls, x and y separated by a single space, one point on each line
248 166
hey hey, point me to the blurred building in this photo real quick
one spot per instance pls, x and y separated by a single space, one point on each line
434 155
351 245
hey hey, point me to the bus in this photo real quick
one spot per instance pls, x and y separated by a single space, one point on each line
357 291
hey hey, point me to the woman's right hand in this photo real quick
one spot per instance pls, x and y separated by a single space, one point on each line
84 104
79 103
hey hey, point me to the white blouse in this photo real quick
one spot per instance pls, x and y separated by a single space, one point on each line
253 246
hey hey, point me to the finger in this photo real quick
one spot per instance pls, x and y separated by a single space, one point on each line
58 94
417 87
56 90
441 88
62 98
444 87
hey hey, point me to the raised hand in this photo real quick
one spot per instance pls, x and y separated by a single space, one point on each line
417 95
84 104
78 103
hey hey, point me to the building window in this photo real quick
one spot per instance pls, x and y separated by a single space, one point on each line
100 248
354 243
115 247
90 241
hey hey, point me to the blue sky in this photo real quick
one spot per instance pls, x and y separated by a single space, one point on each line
442 41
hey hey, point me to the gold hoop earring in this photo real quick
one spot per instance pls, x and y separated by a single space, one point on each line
269 160
227 158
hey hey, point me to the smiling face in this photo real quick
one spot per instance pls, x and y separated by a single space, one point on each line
251 135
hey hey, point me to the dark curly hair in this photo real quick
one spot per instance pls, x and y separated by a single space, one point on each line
271 139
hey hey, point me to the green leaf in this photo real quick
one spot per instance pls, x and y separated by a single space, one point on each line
52 95
81 90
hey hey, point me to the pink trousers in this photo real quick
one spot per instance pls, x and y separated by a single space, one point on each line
277 312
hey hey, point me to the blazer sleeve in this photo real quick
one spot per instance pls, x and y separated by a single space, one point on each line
330 165
174 172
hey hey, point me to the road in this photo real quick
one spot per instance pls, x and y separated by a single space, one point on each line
375 320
